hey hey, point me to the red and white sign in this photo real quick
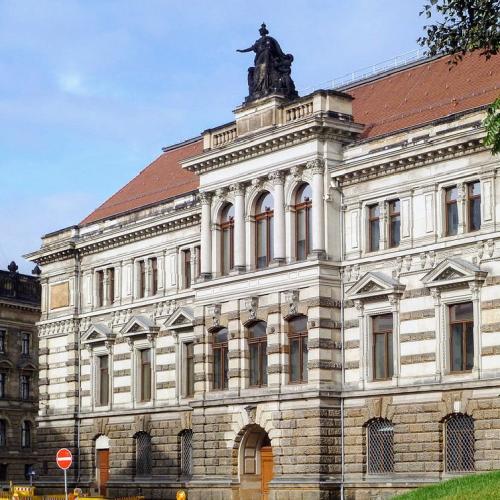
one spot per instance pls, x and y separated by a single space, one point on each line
64 458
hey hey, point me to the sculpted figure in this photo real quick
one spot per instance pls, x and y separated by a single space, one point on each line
271 73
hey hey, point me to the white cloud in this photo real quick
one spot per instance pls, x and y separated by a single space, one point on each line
72 83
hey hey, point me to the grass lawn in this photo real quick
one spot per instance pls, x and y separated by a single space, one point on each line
473 487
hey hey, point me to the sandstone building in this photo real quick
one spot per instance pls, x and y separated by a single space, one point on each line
19 312
300 304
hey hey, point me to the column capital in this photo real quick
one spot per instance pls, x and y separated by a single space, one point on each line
205 197
277 177
317 166
238 189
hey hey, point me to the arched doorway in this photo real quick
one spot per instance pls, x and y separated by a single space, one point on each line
255 464
102 463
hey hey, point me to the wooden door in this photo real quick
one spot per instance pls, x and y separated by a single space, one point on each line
266 464
102 470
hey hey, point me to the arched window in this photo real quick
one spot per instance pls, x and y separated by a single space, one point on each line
379 446
143 454
186 453
227 242
26 434
257 345
264 229
303 218
459 443
220 358
297 340
3 433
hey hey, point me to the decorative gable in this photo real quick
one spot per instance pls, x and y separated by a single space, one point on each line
139 325
453 273
97 333
373 285
183 317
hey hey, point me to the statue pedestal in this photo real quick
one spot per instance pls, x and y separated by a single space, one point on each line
259 114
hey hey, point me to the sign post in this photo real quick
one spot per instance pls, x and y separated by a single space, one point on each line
64 459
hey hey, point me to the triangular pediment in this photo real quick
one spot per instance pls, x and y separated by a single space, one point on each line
452 272
182 317
375 284
139 325
98 332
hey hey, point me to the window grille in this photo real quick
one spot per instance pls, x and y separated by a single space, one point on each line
186 453
380 447
143 454
459 441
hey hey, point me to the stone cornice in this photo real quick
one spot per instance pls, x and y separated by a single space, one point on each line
321 126
366 168
96 243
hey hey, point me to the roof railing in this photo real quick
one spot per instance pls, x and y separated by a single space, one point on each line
370 71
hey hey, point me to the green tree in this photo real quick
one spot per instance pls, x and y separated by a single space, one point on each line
462 26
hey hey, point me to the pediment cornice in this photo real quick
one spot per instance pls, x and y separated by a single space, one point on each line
374 285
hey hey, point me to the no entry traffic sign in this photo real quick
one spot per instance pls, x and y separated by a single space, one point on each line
64 458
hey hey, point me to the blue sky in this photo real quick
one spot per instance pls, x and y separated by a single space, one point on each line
90 90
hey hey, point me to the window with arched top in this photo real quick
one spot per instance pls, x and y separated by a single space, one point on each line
221 360
459 443
227 239
264 214
143 454
297 348
186 453
257 346
303 220
26 434
380 446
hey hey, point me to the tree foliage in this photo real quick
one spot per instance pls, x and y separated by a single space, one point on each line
462 26
492 125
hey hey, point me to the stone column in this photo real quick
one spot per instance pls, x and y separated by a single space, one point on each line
383 225
461 207
239 227
317 167
396 346
206 235
440 337
475 289
279 216
363 343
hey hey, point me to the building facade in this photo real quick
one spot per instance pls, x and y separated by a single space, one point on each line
19 313
299 304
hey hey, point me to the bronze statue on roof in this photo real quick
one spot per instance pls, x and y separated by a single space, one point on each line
271 73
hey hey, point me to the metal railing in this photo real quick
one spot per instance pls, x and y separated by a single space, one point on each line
380 447
459 441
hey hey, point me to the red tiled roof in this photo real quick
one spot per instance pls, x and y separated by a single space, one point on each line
406 98
162 179
424 93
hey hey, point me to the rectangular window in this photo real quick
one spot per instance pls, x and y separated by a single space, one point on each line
461 337
103 380
221 361
3 472
3 433
154 276
3 341
189 369
142 279
298 353
100 288
451 195
474 205
187 268
111 284
25 387
373 227
394 223
382 347
29 471
3 383
145 374
25 343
